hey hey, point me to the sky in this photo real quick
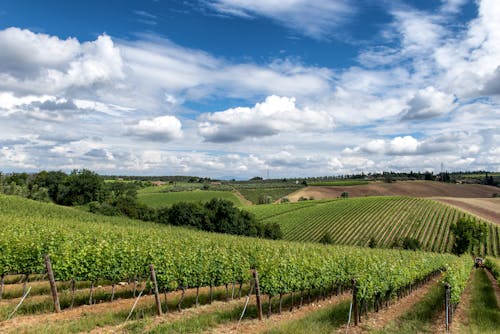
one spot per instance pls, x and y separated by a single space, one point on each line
243 88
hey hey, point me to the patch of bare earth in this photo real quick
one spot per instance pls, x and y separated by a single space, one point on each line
380 319
486 208
256 326
400 188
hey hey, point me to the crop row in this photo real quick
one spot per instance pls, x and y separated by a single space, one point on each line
85 247
387 220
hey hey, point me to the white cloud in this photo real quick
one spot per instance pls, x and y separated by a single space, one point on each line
164 128
274 115
38 63
427 103
315 19
452 6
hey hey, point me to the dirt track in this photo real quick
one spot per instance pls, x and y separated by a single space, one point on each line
400 188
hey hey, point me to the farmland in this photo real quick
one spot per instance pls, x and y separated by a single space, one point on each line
158 199
486 208
400 188
386 219
90 248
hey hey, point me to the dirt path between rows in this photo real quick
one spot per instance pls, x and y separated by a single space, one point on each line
256 326
377 321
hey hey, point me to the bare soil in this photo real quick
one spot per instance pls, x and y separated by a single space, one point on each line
486 208
400 188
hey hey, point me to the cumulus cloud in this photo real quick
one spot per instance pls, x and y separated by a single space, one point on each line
274 115
164 128
407 145
315 19
428 103
39 63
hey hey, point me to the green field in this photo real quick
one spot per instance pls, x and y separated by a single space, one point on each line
387 219
266 191
160 199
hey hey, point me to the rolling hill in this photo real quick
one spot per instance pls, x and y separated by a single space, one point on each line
388 220
400 188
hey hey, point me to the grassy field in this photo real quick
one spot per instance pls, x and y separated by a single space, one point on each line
160 199
483 312
259 192
388 220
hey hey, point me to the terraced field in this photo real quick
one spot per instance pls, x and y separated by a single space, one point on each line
386 219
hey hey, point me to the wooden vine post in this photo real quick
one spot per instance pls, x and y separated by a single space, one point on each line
447 306
155 288
52 282
257 293
355 306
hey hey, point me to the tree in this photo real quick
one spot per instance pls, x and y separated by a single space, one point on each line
81 187
50 180
344 194
326 239
467 234
411 243
273 231
372 243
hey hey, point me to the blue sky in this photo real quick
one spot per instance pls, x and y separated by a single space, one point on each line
234 88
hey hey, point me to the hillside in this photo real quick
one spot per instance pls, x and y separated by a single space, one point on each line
355 221
486 208
100 252
400 188
162 199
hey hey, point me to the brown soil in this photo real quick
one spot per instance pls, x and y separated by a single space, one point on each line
379 320
400 188
486 208
256 326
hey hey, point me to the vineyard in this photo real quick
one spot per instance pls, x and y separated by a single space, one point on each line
89 248
386 219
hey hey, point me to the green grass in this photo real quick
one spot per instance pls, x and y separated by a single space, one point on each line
339 183
161 199
420 318
327 320
483 313
257 195
387 219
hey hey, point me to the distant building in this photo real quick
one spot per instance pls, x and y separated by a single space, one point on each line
158 183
